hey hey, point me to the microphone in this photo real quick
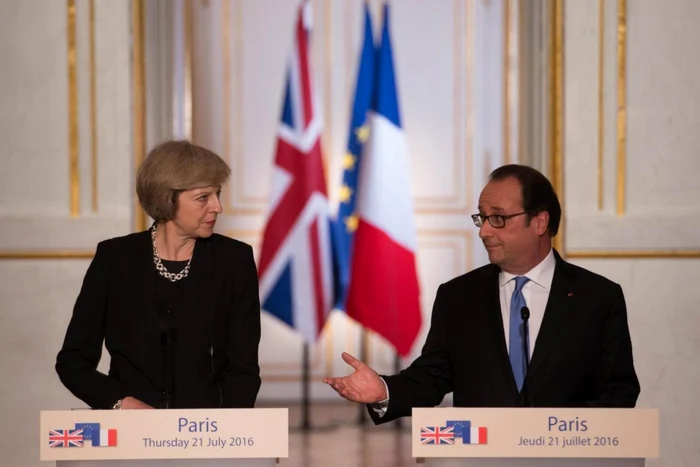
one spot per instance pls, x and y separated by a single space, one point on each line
525 315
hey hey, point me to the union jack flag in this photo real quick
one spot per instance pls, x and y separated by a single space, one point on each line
66 438
437 435
295 263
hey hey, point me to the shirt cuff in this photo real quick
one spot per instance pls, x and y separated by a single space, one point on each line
381 407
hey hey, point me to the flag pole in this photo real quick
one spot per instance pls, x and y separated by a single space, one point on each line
305 398
305 424
397 369
364 354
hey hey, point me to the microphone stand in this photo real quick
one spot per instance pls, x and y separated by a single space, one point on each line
166 340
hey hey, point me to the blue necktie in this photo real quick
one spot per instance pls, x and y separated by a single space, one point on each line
516 335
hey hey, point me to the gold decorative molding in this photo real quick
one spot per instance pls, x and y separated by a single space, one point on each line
139 98
621 142
73 142
556 126
327 88
226 89
556 103
522 63
48 254
621 104
506 81
73 110
635 254
93 108
601 99
187 63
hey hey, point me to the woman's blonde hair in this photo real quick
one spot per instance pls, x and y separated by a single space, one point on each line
171 168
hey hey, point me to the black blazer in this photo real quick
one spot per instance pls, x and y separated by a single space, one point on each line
217 306
582 356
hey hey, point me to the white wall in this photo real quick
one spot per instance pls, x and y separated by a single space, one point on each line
36 220
657 225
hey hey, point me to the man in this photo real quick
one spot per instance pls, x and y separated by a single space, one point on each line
579 342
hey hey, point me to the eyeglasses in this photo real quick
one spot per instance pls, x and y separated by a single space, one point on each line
497 221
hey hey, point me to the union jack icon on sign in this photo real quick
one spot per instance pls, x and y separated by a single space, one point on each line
437 435
66 438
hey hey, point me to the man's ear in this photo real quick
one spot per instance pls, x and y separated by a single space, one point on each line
541 222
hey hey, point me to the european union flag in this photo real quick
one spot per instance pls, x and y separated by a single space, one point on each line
90 430
344 225
462 429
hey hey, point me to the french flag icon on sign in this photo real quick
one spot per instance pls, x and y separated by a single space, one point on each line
97 436
468 433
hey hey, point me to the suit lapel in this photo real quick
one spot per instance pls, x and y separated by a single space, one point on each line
554 316
148 278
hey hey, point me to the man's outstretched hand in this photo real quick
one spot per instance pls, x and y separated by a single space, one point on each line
363 386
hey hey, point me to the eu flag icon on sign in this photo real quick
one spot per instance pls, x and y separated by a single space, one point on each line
469 434
98 437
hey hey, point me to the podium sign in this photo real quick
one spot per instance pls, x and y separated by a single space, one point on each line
535 433
164 434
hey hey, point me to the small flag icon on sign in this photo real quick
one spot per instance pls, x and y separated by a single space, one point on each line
437 435
99 437
66 438
468 433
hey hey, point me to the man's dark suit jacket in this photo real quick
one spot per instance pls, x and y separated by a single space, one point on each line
217 305
582 356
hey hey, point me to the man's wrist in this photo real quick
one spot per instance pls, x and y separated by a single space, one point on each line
386 389
382 406
118 405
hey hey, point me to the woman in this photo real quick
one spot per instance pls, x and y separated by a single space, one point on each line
176 306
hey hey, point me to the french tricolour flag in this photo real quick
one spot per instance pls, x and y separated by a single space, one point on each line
98 436
383 294
467 432
477 435
104 438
